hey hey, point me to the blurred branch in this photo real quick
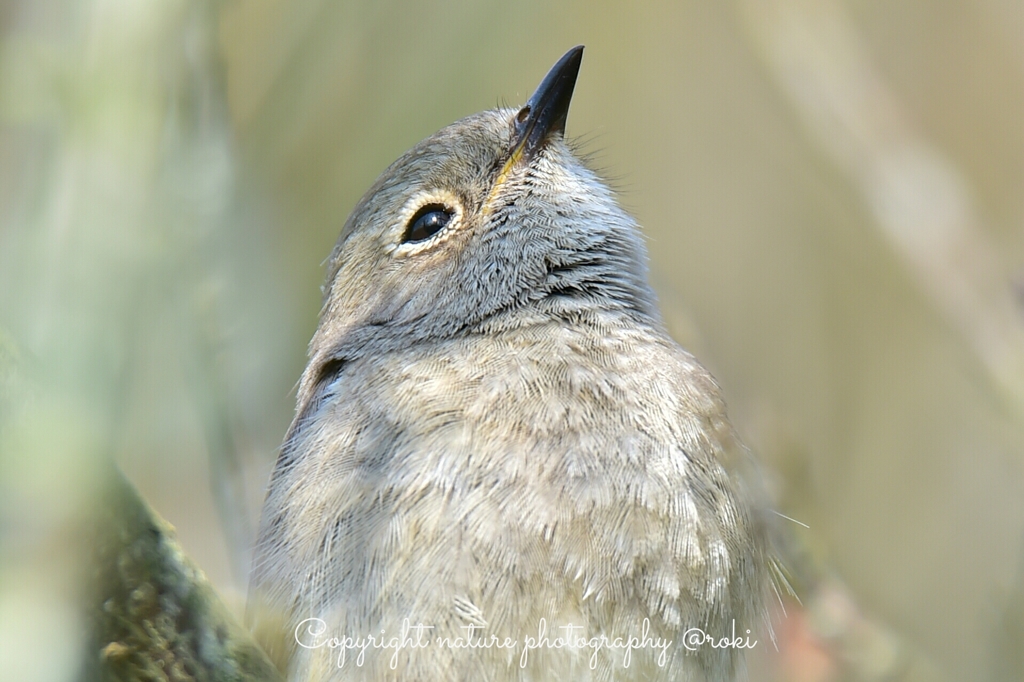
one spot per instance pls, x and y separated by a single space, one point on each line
148 613
154 615
199 178
921 203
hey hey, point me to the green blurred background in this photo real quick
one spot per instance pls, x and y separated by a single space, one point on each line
833 195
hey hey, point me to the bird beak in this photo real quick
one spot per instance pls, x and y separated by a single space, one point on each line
545 112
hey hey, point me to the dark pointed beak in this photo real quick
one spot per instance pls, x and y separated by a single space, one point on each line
544 114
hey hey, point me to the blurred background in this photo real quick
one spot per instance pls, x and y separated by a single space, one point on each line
833 195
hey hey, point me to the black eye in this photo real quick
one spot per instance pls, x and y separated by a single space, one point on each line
427 222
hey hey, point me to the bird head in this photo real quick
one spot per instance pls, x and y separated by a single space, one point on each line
490 223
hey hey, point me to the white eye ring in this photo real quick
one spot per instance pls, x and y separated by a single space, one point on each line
399 247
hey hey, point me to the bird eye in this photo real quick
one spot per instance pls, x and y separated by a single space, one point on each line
427 222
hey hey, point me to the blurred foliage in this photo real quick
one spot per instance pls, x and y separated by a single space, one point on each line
832 195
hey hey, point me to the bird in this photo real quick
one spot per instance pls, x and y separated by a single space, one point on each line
501 466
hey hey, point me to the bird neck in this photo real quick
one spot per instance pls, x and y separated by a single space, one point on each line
572 308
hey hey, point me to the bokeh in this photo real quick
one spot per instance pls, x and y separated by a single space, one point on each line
833 196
